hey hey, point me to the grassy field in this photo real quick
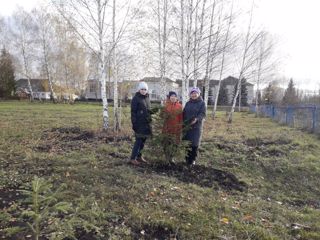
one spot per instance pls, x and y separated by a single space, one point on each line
63 178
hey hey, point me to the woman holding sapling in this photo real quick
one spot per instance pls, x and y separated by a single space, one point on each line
172 126
193 114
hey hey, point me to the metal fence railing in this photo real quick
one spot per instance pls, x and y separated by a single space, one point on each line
306 117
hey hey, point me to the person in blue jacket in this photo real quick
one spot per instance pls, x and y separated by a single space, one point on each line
193 114
141 122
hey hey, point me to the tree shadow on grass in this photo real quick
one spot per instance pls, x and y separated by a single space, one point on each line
200 175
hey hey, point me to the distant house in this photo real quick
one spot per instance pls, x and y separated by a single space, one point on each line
230 83
200 84
155 87
127 89
93 89
39 88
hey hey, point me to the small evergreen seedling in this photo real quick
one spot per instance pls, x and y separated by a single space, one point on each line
43 205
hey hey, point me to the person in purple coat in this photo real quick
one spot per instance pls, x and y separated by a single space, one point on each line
193 114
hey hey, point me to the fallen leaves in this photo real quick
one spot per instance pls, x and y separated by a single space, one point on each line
224 220
248 218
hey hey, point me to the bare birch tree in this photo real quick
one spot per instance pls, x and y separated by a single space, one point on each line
118 32
89 20
70 67
210 53
189 42
185 44
162 43
94 23
116 111
265 65
184 84
224 49
45 31
198 39
62 55
3 31
248 59
22 31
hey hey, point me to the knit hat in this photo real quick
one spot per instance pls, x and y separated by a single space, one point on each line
142 85
172 93
195 89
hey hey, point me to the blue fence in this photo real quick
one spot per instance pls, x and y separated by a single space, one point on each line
306 117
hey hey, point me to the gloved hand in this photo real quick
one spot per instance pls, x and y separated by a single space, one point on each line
194 120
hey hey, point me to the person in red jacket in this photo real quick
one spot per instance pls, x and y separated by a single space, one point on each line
172 126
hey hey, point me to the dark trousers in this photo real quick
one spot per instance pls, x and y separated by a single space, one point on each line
137 147
192 154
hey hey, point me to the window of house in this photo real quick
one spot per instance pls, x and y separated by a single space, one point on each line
153 94
92 87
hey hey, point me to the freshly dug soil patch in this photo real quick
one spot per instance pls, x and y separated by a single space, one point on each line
199 175
74 130
117 138
255 147
153 232
71 134
255 142
66 139
305 203
8 197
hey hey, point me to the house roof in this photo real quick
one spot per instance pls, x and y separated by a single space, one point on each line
200 82
155 79
38 85
212 82
233 81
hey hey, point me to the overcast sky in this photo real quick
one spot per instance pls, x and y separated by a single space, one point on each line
295 22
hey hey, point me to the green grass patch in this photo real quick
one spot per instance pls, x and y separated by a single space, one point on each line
254 179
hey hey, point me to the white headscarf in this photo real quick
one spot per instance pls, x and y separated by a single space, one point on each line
142 85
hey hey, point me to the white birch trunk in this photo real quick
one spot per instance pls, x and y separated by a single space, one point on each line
222 64
164 46
230 117
184 86
209 57
195 70
256 102
239 92
265 52
244 57
258 83
30 89
46 61
26 71
197 42
161 46
88 19
188 53
23 24
102 75
116 123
